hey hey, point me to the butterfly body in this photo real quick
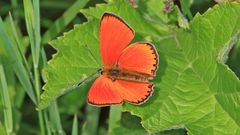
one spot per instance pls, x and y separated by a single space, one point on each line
127 75
127 69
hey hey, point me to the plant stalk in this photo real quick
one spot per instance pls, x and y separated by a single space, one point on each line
37 88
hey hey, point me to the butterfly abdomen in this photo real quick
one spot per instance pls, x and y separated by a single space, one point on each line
118 74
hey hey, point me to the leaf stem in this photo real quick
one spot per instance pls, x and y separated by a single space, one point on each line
114 116
37 88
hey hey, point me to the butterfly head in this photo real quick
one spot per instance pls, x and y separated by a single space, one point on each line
100 71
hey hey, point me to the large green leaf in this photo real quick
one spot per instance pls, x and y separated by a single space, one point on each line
128 124
194 89
78 54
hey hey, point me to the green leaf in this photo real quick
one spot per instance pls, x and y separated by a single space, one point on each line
55 120
7 110
185 5
192 88
132 125
32 19
15 56
79 53
128 124
153 10
75 125
114 117
90 126
2 129
233 61
70 103
16 91
142 27
63 21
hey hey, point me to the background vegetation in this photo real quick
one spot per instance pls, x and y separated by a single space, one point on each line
196 88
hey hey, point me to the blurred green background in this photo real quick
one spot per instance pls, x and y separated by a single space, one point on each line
71 112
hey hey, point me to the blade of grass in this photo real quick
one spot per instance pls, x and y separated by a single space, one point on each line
19 99
2 129
185 4
7 111
32 18
114 116
14 4
55 118
75 125
63 21
47 123
91 124
37 35
14 31
19 67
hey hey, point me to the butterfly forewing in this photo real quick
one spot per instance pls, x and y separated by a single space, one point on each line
115 35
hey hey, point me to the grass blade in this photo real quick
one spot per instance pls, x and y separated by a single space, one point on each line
37 35
63 21
14 31
47 123
15 5
19 67
114 116
185 5
32 18
2 129
55 118
91 124
7 110
75 125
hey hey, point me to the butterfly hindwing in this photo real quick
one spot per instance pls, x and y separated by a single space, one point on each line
115 35
134 92
105 91
139 57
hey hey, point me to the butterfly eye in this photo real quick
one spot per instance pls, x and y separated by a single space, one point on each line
100 71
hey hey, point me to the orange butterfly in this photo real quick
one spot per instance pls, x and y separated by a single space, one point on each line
127 69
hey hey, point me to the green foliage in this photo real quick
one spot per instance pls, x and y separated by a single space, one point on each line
83 48
91 123
15 90
63 21
21 72
55 121
196 88
128 124
186 4
191 87
75 126
7 110
2 130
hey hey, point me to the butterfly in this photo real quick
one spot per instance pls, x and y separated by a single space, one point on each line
127 69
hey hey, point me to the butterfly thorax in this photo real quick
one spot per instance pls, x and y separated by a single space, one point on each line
122 74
